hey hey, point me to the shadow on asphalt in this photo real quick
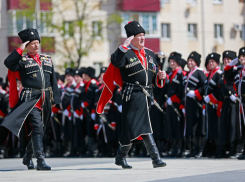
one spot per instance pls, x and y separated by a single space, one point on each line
13 170
88 169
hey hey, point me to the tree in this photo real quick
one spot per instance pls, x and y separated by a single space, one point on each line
78 33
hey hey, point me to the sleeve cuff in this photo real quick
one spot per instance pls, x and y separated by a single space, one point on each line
181 107
176 99
113 124
19 50
198 95
213 99
85 104
93 111
123 48
96 127
158 82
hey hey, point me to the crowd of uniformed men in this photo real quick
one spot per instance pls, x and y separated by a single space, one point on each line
203 112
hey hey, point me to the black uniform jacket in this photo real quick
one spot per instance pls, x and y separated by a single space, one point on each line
195 81
34 77
135 105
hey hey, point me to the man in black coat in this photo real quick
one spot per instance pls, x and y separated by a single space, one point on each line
135 65
213 105
174 125
36 71
229 125
194 89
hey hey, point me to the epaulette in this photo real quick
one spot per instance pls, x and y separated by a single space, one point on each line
219 71
3 92
45 55
200 69
148 49
93 81
74 83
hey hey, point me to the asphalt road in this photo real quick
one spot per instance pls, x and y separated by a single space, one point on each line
104 169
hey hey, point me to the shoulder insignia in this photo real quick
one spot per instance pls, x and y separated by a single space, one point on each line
93 81
3 92
148 49
219 71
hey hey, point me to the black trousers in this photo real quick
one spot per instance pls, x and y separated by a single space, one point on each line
35 122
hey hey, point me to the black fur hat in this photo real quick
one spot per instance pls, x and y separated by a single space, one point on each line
133 28
90 72
213 56
176 56
29 34
57 75
229 54
70 71
80 71
196 57
1 82
182 63
62 78
241 52
103 70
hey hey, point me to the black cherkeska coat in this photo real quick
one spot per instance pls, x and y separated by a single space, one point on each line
174 125
135 111
237 74
32 76
212 110
194 122
229 122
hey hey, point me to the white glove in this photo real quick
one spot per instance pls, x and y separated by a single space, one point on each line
203 112
75 115
169 101
52 114
82 104
93 115
233 98
191 94
81 117
183 110
207 99
120 108
66 113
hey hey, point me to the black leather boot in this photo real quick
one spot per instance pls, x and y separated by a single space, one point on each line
27 159
121 157
153 151
37 144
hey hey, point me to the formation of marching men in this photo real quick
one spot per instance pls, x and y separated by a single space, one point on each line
203 112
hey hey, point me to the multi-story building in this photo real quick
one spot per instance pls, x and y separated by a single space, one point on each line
185 25
171 25
14 19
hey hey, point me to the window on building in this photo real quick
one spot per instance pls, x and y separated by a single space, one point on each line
166 30
68 29
46 23
192 2
163 2
243 32
147 20
217 1
97 28
192 31
97 67
218 32
19 20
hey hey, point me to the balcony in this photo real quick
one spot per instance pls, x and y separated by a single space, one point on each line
139 5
